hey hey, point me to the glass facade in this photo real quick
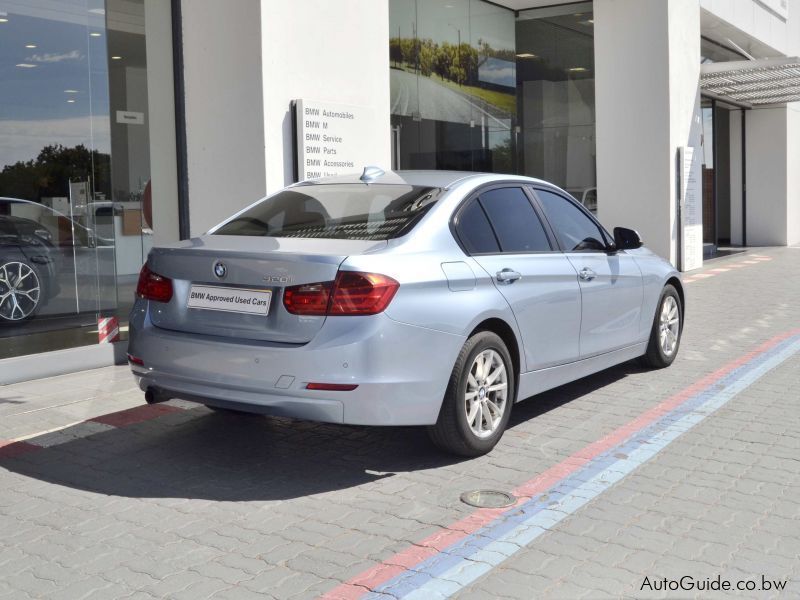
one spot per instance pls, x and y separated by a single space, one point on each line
721 164
453 82
478 87
75 209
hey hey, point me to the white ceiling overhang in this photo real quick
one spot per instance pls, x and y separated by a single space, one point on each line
763 82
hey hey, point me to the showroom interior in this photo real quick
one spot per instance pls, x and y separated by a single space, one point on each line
132 123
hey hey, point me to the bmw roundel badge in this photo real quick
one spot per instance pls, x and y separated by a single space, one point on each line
220 270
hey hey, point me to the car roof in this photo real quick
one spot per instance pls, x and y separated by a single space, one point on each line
439 179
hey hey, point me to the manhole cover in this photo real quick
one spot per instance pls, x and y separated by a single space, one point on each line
488 499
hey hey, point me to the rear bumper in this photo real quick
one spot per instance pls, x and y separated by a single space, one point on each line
401 370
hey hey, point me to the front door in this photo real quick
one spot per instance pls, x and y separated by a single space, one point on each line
610 283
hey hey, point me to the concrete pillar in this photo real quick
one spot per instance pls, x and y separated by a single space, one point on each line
224 108
647 62
793 137
161 124
243 68
323 51
793 181
767 176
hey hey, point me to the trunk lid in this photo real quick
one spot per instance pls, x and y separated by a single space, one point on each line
251 263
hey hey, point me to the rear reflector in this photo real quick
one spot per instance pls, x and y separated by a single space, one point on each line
352 293
153 286
331 387
135 360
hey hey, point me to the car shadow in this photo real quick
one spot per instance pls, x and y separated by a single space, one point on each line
200 454
542 403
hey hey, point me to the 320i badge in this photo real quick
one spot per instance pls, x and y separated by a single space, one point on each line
411 298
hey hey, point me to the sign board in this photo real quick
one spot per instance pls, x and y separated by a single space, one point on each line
78 195
130 117
333 139
691 197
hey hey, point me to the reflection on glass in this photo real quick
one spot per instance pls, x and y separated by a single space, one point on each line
707 148
453 84
476 88
555 75
55 165
74 167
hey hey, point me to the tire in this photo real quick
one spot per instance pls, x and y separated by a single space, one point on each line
22 291
454 432
658 354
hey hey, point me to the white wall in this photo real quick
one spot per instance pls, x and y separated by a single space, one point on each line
756 21
161 122
323 51
766 176
647 60
224 108
793 174
793 136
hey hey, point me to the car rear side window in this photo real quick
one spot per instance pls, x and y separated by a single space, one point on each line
575 230
475 232
514 220
335 211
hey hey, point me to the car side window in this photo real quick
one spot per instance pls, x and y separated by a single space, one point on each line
514 220
475 232
575 230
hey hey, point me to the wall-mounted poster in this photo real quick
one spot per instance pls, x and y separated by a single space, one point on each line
453 61
691 209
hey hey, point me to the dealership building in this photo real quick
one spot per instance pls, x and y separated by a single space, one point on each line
130 123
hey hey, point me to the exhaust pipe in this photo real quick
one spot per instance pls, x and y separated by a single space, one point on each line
153 396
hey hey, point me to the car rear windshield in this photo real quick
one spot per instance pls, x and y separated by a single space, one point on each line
339 211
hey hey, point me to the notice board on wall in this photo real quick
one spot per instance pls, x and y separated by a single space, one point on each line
333 139
691 213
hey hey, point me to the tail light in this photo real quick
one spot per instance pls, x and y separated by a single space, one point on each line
352 293
309 299
361 293
153 286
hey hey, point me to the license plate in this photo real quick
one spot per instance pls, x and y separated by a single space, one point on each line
235 300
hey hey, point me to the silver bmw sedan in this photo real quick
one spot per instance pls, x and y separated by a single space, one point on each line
410 298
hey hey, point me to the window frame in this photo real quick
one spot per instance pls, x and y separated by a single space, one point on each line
477 193
607 239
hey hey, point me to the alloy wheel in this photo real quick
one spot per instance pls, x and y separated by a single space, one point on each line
669 326
20 291
486 395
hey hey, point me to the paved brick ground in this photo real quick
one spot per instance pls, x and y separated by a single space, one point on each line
186 503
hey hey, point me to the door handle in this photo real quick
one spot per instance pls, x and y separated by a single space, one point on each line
586 274
507 276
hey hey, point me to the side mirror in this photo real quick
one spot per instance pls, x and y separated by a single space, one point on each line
626 239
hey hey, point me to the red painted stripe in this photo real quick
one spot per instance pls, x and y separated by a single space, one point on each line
135 415
406 559
11 449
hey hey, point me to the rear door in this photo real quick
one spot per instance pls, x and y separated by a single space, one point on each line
611 283
502 231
